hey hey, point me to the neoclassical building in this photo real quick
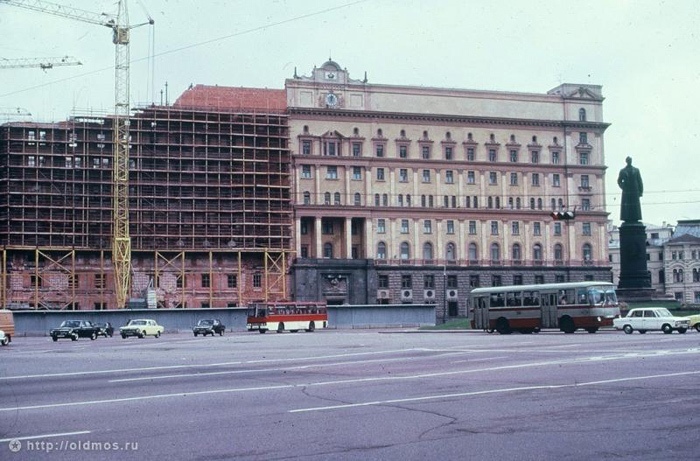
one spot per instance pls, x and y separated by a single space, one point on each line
412 194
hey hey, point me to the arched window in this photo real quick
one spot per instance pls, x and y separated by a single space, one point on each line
328 250
490 202
498 203
327 198
473 253
307 198
495 252
450 252
587 252
376 200
537 252
539 203
427 250
532 203
678 275
516 254
554 204
385 199
517 203
336 198
582 115
358 199
381 250
405 251
408 199
510 202
558 252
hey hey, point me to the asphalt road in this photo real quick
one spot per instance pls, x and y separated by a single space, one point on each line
358 394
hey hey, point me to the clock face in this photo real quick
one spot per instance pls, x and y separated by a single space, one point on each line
330 75
331 99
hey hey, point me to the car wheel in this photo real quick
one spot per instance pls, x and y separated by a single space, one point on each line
196 334
221 332
157 334
628 329
74 337
55 338
682 330
312 327
123 336
666 328
4 341
697 327
641 332
262 332
592 329
140 334
280 327
93 336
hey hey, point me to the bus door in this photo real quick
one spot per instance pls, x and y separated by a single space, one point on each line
548 310
481 312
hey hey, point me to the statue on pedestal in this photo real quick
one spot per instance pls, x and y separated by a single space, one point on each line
630 181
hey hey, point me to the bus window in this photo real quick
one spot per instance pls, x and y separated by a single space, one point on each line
581 296
531 298
513 298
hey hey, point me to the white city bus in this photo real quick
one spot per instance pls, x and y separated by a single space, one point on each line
530 308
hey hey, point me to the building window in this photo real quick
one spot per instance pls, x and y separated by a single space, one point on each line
585 204
517 253
357 172
555 158
535 156
425 152
557 228
450 252
587 252
449 177
471 177
472 227
470 154
379 150
539 279
583 138
330 148
406 281
514 179
307 198
380 174
357 149
536 228
328 250
450 226
513 156
426 176
535 179
584 181
472 252
232 281
306 147
495 252
448 153
336 198
537 253
427 226
404 226
99 280
327 227
403 175
332 172
206 281
582 115
381 250
405 251
494 227
403 151
383 281
493 178
429 282
583 158
385 199
358 199
327 198
306 171
427 251
586 228
492 155
558 252
381 226
474 281
515 227
556 180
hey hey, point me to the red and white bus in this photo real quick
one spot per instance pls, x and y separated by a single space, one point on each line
287 316
530 308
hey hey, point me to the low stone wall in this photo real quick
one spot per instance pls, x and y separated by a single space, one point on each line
38 323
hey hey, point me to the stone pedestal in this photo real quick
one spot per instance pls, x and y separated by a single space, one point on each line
635 280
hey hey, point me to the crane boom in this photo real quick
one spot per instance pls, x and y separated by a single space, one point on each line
121 240
43 63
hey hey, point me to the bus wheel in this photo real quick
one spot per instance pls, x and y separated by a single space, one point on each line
280 327
502 326
312 327
262 332
567 325
592 329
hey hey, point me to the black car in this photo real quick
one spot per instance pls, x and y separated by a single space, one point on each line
106 329
74 329
209 327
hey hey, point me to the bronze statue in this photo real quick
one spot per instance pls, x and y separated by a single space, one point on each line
630 181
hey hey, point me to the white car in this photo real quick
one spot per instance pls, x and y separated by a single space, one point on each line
644 319
141 328
4 339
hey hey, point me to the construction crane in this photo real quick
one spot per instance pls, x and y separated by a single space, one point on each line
121 241
42 63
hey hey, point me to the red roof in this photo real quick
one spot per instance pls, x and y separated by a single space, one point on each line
237 98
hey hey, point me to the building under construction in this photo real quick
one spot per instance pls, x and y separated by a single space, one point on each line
209 206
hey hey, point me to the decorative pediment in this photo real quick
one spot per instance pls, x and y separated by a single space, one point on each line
583 93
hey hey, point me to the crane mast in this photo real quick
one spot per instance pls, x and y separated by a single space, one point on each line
121 240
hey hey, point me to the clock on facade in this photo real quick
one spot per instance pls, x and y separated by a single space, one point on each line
330 76
331 100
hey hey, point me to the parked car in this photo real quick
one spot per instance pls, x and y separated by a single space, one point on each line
209 327
4 339
74 329
106 329
644 319
7 324
141 328
695 322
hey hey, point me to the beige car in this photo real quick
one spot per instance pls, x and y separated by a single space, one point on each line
141 328
695 322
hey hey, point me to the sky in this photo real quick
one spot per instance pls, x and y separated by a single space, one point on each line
644 53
